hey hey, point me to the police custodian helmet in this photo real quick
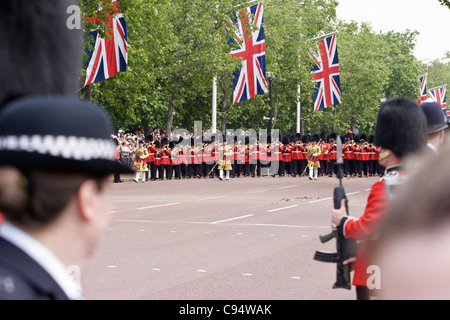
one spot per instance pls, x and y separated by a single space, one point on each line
57 133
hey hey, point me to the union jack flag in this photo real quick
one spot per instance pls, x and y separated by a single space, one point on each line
439 95
423 89
326 75
109 56
250 80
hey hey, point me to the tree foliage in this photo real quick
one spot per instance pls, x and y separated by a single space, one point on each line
177 47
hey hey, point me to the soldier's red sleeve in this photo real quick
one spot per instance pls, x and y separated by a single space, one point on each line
367 224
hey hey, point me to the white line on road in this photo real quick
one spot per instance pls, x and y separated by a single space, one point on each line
212 198
236 218
278 209
251 192
329 198
159 205
324 199
288 187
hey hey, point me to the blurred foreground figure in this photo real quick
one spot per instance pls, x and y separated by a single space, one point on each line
412 251
401 132
39 54
56 156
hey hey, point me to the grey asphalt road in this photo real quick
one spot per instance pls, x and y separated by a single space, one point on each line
206 239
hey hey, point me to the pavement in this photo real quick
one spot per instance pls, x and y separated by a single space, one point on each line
205 239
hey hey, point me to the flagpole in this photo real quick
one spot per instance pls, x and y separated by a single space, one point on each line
325 35
214 106
299 110
437 87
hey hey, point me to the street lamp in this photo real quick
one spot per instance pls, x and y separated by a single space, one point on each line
270 76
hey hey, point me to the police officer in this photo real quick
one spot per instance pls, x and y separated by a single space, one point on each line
56 156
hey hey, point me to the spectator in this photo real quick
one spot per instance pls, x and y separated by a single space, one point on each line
437 123
411 251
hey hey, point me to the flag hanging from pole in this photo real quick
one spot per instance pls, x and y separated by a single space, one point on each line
439 95
326 75
250 79
109 56
423 89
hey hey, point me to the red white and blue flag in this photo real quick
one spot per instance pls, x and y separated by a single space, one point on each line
326 75
250 80
110 55
423 88
439 95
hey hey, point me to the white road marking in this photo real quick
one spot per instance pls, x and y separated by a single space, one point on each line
324 199
112 267
257 191
212 198
247 274
283 208
237 224
329 198
288 187
159 205
231 219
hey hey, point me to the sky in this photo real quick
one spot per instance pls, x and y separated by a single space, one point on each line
428 17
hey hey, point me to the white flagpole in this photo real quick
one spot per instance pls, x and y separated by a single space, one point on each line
299 112
214 106
437 87
324 36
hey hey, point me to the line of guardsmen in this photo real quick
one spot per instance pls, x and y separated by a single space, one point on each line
172 160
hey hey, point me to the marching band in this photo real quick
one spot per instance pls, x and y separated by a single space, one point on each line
293 156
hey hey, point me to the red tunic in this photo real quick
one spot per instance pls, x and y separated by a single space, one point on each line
365 228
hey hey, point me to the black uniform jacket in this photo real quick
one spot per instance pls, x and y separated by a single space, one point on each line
22 278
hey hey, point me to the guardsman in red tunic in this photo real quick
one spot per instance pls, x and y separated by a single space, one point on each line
295 158
323 158
236 172
332 154
303 160
254 157
158 162
349 156
151 160
358 156
286 156
396 143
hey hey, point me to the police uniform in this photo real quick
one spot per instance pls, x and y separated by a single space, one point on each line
75 137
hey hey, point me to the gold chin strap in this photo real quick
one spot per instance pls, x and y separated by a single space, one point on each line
386 153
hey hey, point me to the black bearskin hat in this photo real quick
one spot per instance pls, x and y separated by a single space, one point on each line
401 126
285 140
305 138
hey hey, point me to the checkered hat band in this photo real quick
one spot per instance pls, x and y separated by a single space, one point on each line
74 148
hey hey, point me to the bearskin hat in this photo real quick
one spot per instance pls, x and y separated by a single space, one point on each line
285 140
401 126
363 137
305 138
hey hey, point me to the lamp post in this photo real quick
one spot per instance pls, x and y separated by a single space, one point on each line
270 77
